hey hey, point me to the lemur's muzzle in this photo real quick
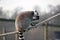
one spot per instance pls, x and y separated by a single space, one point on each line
36 18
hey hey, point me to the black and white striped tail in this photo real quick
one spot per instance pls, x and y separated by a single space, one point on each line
21 37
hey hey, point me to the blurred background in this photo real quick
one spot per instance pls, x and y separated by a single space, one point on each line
9 9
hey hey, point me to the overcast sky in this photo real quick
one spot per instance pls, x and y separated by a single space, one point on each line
27 4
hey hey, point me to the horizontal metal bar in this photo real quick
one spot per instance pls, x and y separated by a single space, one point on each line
3 19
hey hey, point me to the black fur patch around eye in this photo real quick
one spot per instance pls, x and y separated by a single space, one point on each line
33 13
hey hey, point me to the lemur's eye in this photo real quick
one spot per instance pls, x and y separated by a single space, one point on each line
33 13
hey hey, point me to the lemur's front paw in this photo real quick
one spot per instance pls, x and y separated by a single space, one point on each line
32 24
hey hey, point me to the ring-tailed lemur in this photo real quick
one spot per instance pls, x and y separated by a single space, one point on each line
23 20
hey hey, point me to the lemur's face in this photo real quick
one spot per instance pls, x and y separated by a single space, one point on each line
35 15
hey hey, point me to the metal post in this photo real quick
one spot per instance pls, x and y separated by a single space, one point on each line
21 35
17 38
4 38
46 31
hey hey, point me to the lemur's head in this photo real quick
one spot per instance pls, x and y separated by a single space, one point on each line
35 15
